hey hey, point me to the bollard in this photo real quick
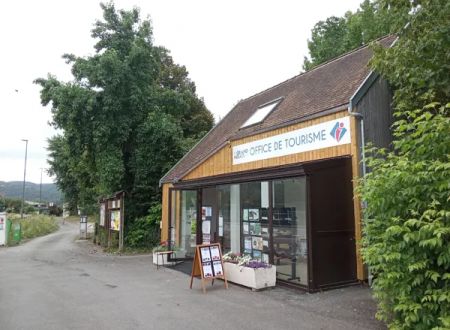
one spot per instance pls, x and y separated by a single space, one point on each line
83 227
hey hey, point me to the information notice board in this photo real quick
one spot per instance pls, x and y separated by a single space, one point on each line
208 264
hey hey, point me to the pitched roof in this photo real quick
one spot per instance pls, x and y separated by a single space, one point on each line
326 87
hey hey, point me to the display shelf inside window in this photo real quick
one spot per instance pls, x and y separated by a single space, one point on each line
284 232
255 233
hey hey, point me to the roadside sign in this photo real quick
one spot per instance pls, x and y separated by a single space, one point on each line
3 228
208 264
83 227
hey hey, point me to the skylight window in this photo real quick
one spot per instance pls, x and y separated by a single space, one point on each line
260 114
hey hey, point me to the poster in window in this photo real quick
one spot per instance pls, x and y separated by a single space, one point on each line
215 253
255 228
115 220
257 243
207 270
206 238
206 212
264 215
217 265
206 227
245 228
253 214
256 255
248 243
265 258
206 256
245 215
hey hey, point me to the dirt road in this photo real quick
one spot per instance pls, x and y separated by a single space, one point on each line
57 282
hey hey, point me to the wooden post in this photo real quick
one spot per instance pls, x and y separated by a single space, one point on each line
122 221
360 269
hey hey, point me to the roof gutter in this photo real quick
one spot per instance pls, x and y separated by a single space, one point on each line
354 100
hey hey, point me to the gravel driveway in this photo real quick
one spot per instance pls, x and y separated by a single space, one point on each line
58 282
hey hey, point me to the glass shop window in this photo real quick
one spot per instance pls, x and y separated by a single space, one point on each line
255 220
229 217
290 242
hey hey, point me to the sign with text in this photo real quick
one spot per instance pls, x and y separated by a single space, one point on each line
208 264
328 134
115 220
3 233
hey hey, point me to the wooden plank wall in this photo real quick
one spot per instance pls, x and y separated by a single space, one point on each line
165 212
360 269
221 162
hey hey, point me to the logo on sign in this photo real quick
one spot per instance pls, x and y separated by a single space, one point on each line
338 131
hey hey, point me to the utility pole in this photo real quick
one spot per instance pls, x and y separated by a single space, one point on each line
40 191
24 176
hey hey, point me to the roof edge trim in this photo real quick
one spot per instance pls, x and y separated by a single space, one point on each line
326 63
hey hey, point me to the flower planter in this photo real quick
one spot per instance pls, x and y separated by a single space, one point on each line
161 259
255 278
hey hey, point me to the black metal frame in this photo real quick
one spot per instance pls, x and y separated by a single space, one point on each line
269 175
199 217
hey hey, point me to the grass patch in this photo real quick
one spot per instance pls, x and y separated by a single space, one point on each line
129 251
72 219
35 225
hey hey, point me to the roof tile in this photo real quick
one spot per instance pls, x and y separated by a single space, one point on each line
329 85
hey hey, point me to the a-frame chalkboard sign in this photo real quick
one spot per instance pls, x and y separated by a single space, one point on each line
208 264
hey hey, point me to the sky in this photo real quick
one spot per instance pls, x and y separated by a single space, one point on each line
232 50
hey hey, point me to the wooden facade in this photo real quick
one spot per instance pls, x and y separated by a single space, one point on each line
220 163
342 88
164 225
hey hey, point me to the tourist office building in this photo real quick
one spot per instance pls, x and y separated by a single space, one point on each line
275 178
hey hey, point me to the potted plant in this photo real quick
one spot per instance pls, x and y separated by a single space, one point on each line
161 258
250 273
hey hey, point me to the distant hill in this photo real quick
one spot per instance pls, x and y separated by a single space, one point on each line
13 189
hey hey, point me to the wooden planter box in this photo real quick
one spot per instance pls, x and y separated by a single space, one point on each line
255 278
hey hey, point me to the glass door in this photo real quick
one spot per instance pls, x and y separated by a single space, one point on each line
290 240
183 222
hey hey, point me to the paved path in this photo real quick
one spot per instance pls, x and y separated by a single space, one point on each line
57 282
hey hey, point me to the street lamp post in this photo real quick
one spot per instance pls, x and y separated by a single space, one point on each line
40 191
24 176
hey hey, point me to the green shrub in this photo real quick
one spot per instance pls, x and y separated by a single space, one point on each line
407 222
144 231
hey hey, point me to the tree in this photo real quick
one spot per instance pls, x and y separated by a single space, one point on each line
327 41
128 115
338 35
419 64
407 219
